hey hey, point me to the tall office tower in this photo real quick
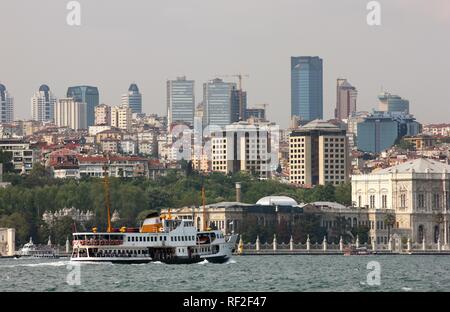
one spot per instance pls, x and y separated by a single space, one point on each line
133 99
307 88
6 105
71 113
238 105
318 154
346 95
88 95
393 103
242 147
43 105
103 115
180 101
121 117
217 101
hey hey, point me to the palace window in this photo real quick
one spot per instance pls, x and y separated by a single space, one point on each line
372 201
403 200
384 201
436 201
421 201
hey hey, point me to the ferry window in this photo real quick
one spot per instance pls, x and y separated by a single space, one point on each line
140 239
128 238
175 238
160 238
171 238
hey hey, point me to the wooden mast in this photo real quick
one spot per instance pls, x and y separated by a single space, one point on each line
106 190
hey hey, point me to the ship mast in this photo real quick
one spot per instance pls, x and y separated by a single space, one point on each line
205 222
106 190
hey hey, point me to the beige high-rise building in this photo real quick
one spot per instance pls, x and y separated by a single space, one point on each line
121 117
72 114
318 154
102 115
346 96
242 147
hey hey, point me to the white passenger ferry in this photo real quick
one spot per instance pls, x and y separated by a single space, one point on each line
160 238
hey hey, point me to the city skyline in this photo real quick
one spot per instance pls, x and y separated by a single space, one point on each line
362 54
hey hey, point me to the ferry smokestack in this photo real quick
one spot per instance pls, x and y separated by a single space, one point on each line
238 192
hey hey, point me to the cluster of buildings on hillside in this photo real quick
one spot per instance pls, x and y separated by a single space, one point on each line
77 136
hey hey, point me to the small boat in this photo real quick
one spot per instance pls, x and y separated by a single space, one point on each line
37 251
360 251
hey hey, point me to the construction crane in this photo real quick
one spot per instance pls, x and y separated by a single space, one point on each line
241 92
239 76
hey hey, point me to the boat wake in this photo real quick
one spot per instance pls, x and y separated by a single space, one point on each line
41 264
230 261
203 262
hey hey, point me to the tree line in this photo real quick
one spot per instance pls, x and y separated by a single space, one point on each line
23 203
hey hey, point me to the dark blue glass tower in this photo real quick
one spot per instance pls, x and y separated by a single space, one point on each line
88 95
307 87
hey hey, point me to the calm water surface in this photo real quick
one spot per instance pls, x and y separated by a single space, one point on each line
246 273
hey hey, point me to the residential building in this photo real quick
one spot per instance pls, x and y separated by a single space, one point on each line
437 129
43 105
23 156
121 117
70 113
102 115
118 166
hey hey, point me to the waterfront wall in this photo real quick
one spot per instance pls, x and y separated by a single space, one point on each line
308 247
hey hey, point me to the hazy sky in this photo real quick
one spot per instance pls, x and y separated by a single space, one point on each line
149 41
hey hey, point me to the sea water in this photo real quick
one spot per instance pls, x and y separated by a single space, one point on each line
240 274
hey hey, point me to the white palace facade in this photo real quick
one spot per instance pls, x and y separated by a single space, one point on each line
417 193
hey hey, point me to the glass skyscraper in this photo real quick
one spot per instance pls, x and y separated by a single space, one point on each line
180 101
133 99
6 105
88 95
307 87
393 103
238 109
217 98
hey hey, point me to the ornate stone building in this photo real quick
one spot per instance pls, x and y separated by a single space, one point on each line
415 192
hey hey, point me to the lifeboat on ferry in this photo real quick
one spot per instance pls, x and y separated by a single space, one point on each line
152 223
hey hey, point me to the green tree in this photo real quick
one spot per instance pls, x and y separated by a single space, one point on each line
6 160
389 220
